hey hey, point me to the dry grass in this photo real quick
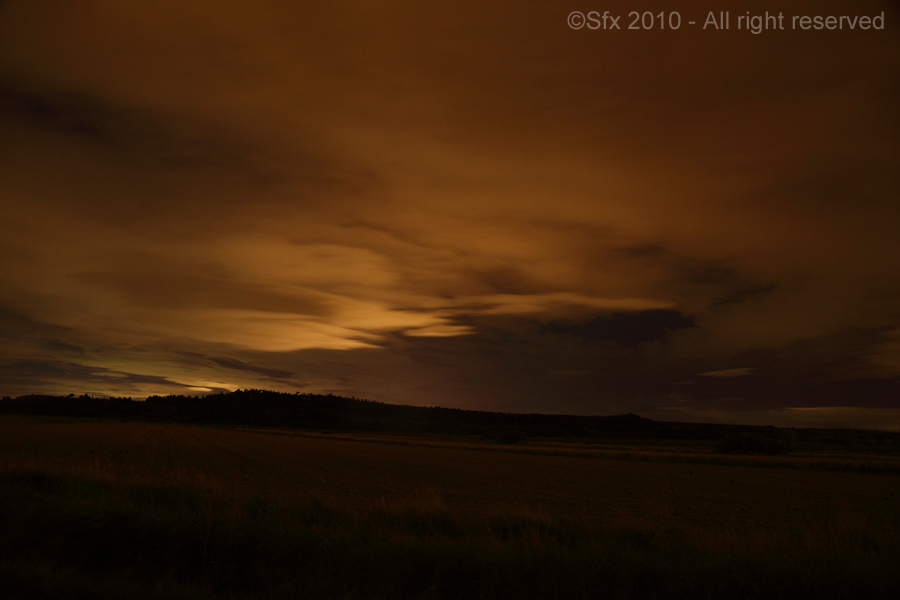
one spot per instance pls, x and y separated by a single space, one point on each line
320 517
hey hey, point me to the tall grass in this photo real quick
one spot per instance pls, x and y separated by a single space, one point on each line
76 530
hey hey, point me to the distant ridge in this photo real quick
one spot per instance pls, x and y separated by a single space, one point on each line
261 408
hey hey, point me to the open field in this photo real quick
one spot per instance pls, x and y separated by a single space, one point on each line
549 513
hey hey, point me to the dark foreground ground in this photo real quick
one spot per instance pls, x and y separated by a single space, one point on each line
105 509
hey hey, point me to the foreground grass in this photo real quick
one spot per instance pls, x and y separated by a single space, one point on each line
96 535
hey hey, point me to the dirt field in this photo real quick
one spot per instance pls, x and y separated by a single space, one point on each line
458 475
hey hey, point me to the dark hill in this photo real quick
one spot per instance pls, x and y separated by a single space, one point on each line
336 413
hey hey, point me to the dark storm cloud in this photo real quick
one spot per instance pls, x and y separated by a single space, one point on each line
161 157
18 330
507 280
745 294
723 282
59 376
120 133
18 325
238 365
626 329
710 273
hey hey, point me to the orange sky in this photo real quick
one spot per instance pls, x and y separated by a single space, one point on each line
456 203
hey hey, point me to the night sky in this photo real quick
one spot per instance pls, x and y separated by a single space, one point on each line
454 203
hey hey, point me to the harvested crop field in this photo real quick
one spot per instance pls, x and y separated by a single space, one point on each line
468 480
714 511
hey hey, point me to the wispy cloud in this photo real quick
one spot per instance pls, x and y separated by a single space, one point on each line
737 372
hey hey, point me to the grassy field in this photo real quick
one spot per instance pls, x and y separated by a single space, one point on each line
144 510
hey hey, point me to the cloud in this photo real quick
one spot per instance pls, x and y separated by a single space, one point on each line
62 377
737 372
445 207
626 329
886 355
238 365
439 331
510 304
